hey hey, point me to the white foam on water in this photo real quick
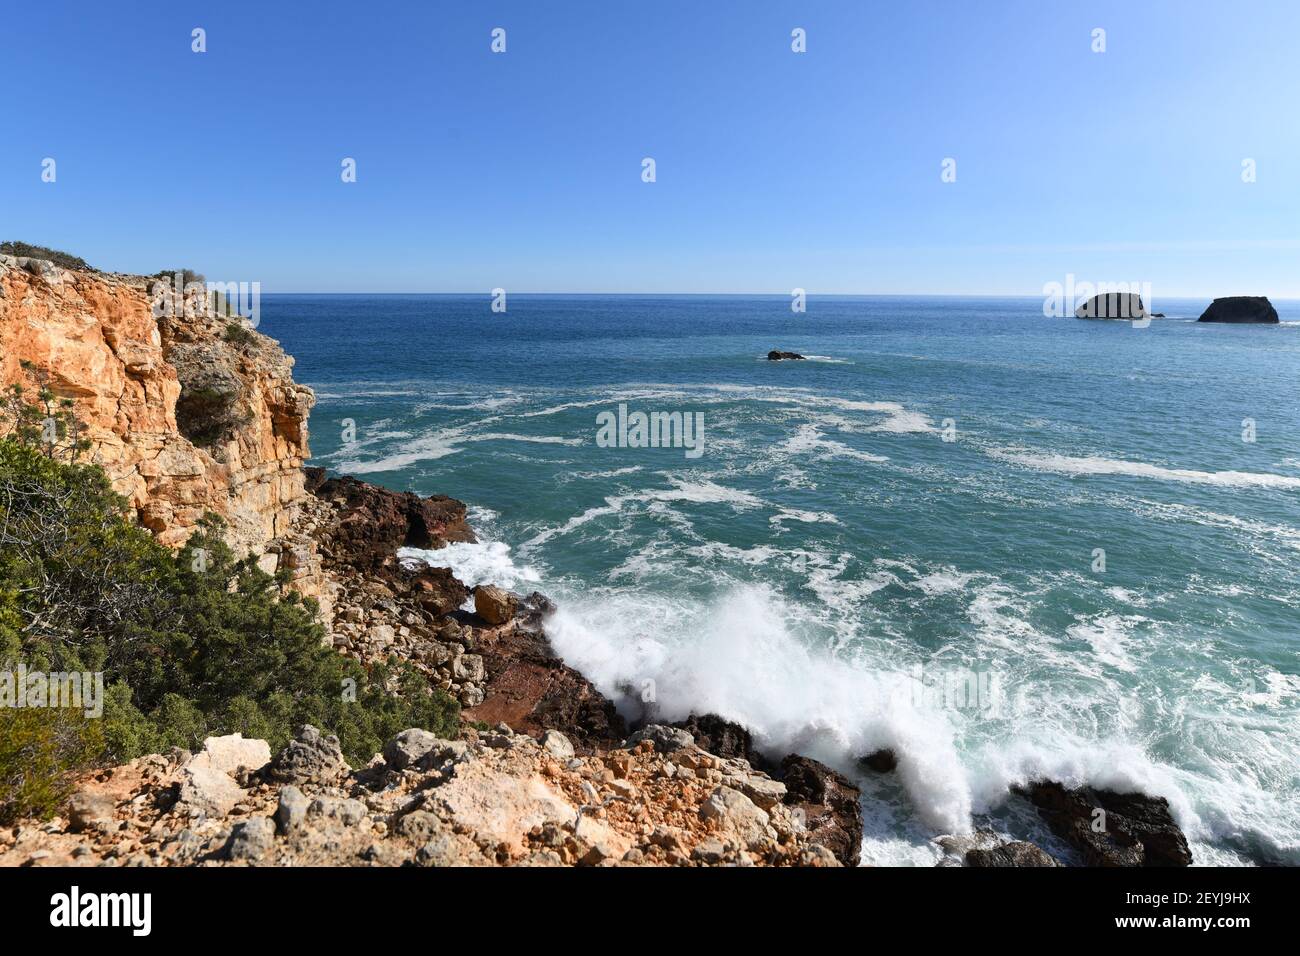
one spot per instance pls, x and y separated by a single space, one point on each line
807 517
1108 636
425 448
487 562
1095 465
808 439
537 439
943 582
698 491
741 658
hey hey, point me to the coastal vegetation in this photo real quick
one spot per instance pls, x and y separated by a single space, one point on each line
190 643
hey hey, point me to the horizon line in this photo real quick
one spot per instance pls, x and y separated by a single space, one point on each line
786 295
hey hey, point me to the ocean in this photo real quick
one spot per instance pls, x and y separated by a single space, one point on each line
1003 545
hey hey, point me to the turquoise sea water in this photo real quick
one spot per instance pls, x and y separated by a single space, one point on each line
1004 545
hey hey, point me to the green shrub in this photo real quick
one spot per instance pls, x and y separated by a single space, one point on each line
237 333
191 643
63 259
40 753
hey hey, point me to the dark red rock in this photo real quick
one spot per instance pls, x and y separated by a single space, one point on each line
374 522
436 590
532 690
1138 830
829 802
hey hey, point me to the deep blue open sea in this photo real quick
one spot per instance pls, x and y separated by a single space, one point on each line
1004 545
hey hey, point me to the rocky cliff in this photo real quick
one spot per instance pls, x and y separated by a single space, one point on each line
186 414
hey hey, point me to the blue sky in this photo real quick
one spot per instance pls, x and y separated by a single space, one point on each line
775 170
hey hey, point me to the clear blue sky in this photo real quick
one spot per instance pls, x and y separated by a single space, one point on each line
775 170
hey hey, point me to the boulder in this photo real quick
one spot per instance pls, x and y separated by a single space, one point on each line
436 590
291 810
493 604
817 855
250 840
231 752
345 810
1113 305
419 748
666 739
1241 309
829 804
775 356
763 790
557 745
89 810
309 758
469 667
1132 829
735 814
209 791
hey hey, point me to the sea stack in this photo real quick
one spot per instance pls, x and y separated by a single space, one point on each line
1241 309
1113 305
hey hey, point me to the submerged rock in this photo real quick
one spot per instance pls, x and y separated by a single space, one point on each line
1017 853
881 761
1241 309
1109 828
493 604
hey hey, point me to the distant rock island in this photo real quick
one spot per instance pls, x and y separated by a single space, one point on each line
1241 309
775 356
1113 305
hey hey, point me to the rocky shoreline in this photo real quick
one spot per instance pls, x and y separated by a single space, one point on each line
187 416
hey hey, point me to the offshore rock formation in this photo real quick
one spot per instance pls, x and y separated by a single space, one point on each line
184 417
1241 309
1113 305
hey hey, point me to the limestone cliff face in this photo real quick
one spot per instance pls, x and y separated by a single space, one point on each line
185 416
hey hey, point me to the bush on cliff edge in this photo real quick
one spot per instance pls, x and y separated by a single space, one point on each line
190 643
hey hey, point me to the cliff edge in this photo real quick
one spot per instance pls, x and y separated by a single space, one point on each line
185 413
